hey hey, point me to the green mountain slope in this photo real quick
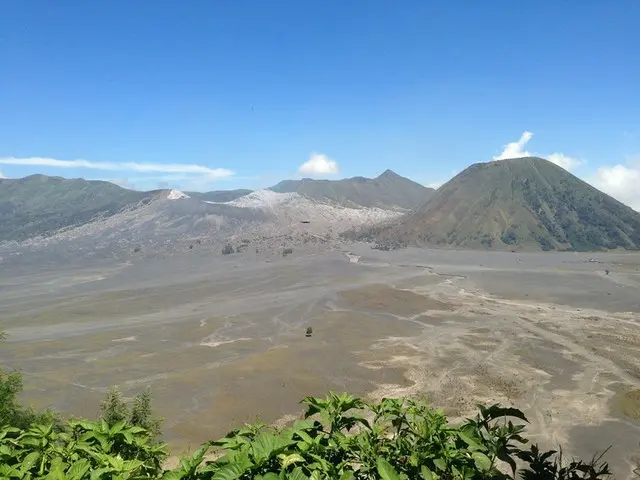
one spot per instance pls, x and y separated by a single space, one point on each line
525 202
39 205
388 190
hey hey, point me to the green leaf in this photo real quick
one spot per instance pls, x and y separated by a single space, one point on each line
440 464
56 469
291 459
7 471
496 411
29 461
128 436
270 476
231 471
98 472
385 470
297 474
483 463
173 475
116 462
117 427
304 436
473 444
426 473
266 445
78 470
131 465
505 457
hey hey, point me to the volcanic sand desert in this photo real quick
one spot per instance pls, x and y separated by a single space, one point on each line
221 340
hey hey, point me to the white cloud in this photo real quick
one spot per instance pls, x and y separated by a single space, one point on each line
564 161
434 185
121 166
2 175
517 150
319 164
619 181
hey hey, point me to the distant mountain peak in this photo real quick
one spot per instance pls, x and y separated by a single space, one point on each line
389 190
514 203
176 195
388 173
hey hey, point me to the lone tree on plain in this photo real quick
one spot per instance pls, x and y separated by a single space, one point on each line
309 332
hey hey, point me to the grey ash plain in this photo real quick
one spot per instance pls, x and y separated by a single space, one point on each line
221 339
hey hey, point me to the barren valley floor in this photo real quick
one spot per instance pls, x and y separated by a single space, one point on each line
221 340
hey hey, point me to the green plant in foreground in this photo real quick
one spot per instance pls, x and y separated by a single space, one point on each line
340 437
114 409
344 437
12 413
82 450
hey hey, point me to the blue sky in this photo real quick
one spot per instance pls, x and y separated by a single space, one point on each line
216 95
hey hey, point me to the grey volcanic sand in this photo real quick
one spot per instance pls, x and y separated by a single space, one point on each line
221 340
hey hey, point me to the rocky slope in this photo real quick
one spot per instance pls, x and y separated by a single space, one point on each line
170 220
219 195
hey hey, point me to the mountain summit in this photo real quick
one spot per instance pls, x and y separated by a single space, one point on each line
389 190
522 202
389 175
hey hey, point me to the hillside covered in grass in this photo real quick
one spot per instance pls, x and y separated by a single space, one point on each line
518 203
40 205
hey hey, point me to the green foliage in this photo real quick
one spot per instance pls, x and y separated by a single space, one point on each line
344 437
80 450
142 414
10 387
12 413
115 410
341 437
227 249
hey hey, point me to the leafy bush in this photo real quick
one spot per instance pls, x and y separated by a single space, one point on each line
287 251
12 413
509 237
340 437
344 437
114 410
227 249
81 450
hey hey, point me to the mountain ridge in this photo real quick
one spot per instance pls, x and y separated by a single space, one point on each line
41 206
386 190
